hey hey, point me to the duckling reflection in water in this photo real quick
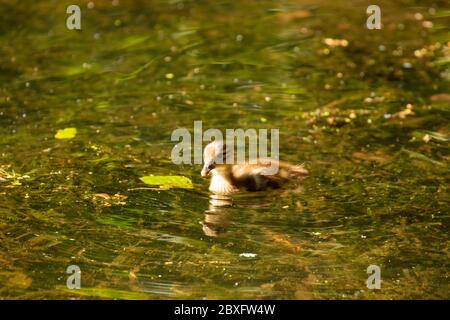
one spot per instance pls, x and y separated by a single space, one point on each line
228 178
217 217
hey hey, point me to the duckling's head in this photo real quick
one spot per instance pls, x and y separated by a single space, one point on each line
214 156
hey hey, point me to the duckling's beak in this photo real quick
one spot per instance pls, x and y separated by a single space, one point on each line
205 170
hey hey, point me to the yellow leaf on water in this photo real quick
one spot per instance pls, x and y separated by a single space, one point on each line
67 133
168 182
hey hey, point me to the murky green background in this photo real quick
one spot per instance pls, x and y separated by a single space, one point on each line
367 111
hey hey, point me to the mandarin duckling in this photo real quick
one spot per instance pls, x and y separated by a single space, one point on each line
229 178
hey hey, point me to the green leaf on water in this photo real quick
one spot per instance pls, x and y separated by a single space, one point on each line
168 182
66 133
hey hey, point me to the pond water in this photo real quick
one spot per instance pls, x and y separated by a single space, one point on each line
366 111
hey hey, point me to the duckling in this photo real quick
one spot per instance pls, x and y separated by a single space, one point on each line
229 178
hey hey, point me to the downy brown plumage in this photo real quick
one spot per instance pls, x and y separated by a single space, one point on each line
230 178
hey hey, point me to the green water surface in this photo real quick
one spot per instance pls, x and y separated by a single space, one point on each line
366 111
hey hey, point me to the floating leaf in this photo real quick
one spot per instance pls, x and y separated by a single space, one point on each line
168 182
67 133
